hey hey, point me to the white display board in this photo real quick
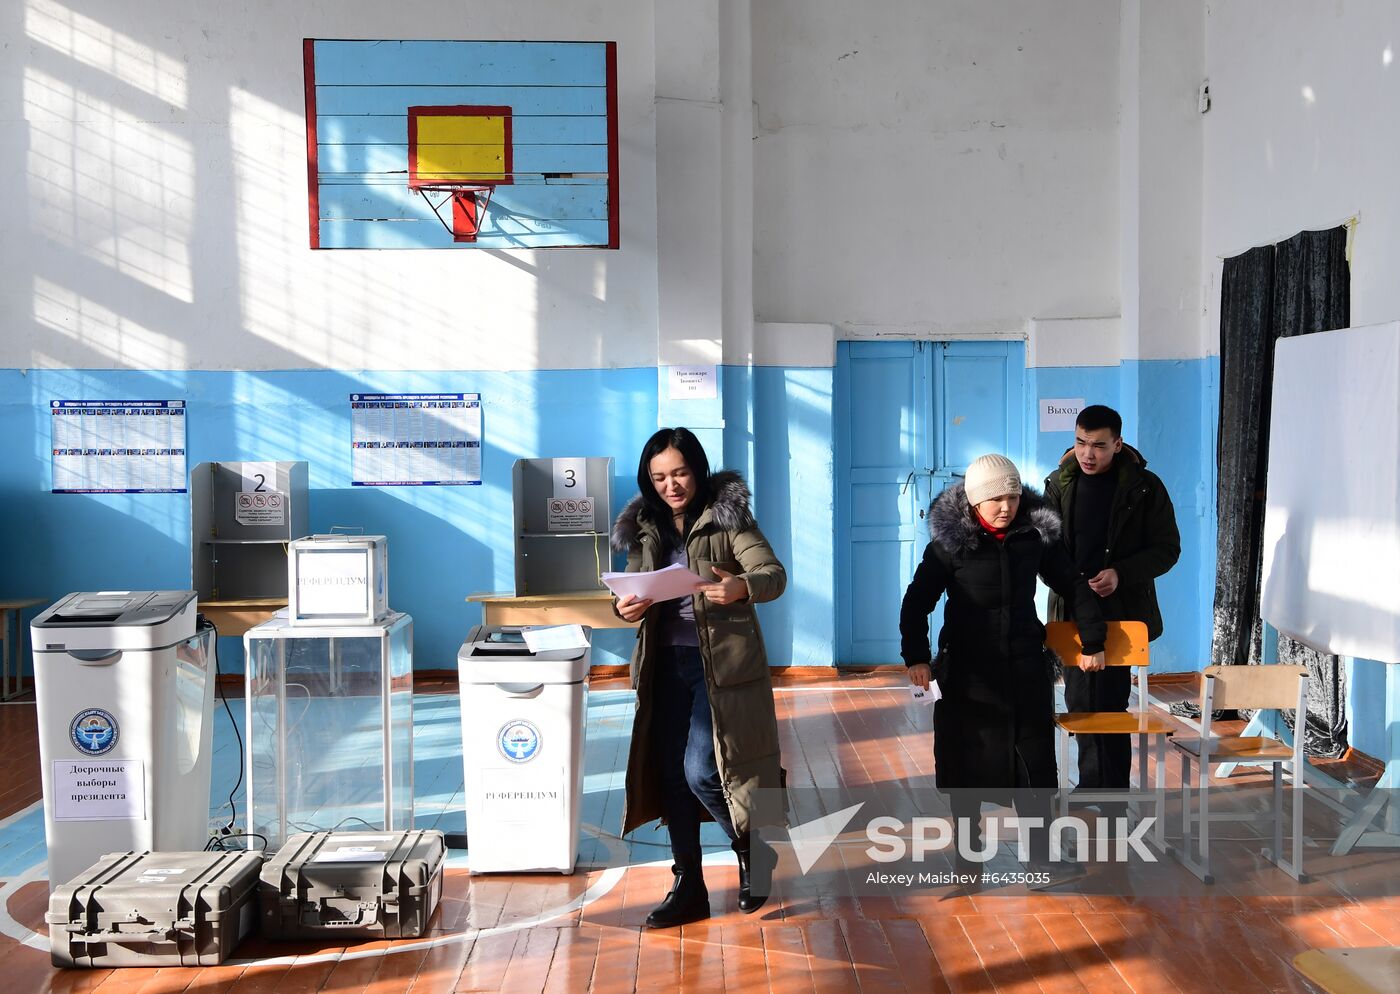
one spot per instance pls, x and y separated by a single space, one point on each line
415 439
1332 512
118 446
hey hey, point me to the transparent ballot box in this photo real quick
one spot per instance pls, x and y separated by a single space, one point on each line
329 727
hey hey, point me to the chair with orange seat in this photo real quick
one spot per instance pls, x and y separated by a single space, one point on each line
1125 645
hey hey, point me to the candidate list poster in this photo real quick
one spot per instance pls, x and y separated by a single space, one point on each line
118 446
415 439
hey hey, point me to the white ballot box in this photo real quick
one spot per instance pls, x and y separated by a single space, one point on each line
524 718
124 687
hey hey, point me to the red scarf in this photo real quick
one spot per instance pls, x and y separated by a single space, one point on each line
997 533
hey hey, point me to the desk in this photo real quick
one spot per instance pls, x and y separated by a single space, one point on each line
234 617
587 607
18 607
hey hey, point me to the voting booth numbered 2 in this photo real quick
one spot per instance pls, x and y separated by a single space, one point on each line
524 716
124 687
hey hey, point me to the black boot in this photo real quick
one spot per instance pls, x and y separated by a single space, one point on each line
687 902
755 873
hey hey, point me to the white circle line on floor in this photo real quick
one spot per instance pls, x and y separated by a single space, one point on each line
22 934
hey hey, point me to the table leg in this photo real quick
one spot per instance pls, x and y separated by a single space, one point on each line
5 654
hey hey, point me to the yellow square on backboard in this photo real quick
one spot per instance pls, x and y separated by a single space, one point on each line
460 148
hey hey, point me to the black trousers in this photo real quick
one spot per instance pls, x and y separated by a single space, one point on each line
1105 761
1030 799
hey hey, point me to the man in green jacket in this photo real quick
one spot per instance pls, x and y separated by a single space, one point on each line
1121 530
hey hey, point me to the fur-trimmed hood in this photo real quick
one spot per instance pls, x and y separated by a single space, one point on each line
728 509
953 525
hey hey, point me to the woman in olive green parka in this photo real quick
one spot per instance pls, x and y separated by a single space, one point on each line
705 735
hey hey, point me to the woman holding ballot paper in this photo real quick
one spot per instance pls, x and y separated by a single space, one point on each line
705 735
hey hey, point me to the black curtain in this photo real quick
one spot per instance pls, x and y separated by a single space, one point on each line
1298 287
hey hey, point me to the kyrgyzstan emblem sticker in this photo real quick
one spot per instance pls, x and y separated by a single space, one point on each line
519 741
94 732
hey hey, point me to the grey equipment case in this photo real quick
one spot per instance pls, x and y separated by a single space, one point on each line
154 909
376 885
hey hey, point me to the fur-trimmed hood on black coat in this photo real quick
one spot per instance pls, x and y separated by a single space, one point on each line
729 510
997 691
953 525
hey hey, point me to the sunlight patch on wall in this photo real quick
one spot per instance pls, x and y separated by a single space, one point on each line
117 189
360 310
92 43
115 338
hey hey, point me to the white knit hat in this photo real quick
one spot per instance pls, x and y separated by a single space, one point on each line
991 476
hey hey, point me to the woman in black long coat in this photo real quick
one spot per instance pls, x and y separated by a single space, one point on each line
994 726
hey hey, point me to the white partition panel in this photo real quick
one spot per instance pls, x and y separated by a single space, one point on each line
1332 515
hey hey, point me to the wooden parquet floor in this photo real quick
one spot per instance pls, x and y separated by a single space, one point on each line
584 933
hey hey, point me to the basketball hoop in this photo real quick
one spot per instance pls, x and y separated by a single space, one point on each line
469 203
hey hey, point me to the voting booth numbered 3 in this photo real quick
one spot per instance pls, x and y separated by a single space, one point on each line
524 716
125 697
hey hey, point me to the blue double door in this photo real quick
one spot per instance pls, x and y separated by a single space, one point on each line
910 416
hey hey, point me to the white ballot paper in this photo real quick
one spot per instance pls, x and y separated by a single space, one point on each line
555 638
659 585
926 697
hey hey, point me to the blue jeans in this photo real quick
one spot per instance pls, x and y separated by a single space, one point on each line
682 733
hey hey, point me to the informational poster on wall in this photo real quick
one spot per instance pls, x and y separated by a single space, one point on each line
415 439
118 446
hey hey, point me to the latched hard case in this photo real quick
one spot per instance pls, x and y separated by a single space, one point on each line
376 885
154 909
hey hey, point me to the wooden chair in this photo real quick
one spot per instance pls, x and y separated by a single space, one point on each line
1229 687
1126 645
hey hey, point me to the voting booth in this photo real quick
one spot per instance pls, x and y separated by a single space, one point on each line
124 689
524 719
562 519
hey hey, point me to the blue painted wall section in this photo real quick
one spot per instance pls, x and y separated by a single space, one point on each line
793 485
444 542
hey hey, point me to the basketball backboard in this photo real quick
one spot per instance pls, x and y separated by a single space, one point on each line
461 144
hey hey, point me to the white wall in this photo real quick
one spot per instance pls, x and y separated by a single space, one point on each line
937 169
1162 69
155 158
1302 135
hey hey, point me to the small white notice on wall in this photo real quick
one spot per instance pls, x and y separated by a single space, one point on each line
99 789
1058 414
570 477
694 382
